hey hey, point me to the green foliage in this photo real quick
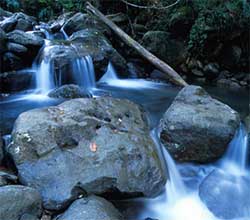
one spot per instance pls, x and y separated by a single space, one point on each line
218 21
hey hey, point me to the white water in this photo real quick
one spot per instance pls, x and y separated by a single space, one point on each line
176 203
110 78
84 72
235 160
65 36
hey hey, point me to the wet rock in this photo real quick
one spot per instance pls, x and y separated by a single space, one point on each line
57 24
92 42
91 208
211 71
18 201
197 73
6 177
197 127
69 92
81 21
2 41
164 46
4 13
11 62
227 196
16 48
8 24
93 146
25 39
231 56
1 150
15 81
24 22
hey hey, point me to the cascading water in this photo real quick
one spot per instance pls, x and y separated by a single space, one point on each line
83 72
235 160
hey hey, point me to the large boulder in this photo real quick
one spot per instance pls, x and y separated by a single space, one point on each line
15 81
227 196
91 208
18 201
69 92
94 146
164 46
25 39
197 127
24 22
92 42
80 21
8 24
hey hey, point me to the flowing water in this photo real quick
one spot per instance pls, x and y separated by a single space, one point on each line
180 199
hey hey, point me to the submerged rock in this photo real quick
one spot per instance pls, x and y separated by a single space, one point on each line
86 146
227 196
19 201
69 92
91 208
197 127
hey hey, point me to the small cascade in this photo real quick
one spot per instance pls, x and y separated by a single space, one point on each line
110 74
65 36
83 72
44 77
176 203
235 160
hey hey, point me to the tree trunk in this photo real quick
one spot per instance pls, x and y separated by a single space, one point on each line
171 74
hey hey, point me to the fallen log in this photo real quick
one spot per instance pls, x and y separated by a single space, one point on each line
171 74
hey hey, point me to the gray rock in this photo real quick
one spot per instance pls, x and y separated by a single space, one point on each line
92 42
91 208
16 48
81 21
197 127
69 92
7 177
227 196
26 39
24 22
211 71
4 13
86 146
15 81
197 73
11 62
1 150
165 47
2 41
16 201
8 24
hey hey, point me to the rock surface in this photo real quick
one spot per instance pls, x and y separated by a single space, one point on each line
18 201
93 43
91 208
25 39
1 150
227 196
197 127
86 146
69 92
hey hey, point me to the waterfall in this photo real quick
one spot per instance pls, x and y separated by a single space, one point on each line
235 160
110 74
176 203
84 72
44 77
65 36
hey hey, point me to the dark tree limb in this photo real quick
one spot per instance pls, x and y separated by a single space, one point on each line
171 74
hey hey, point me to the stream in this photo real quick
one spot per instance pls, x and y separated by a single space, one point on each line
180 198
